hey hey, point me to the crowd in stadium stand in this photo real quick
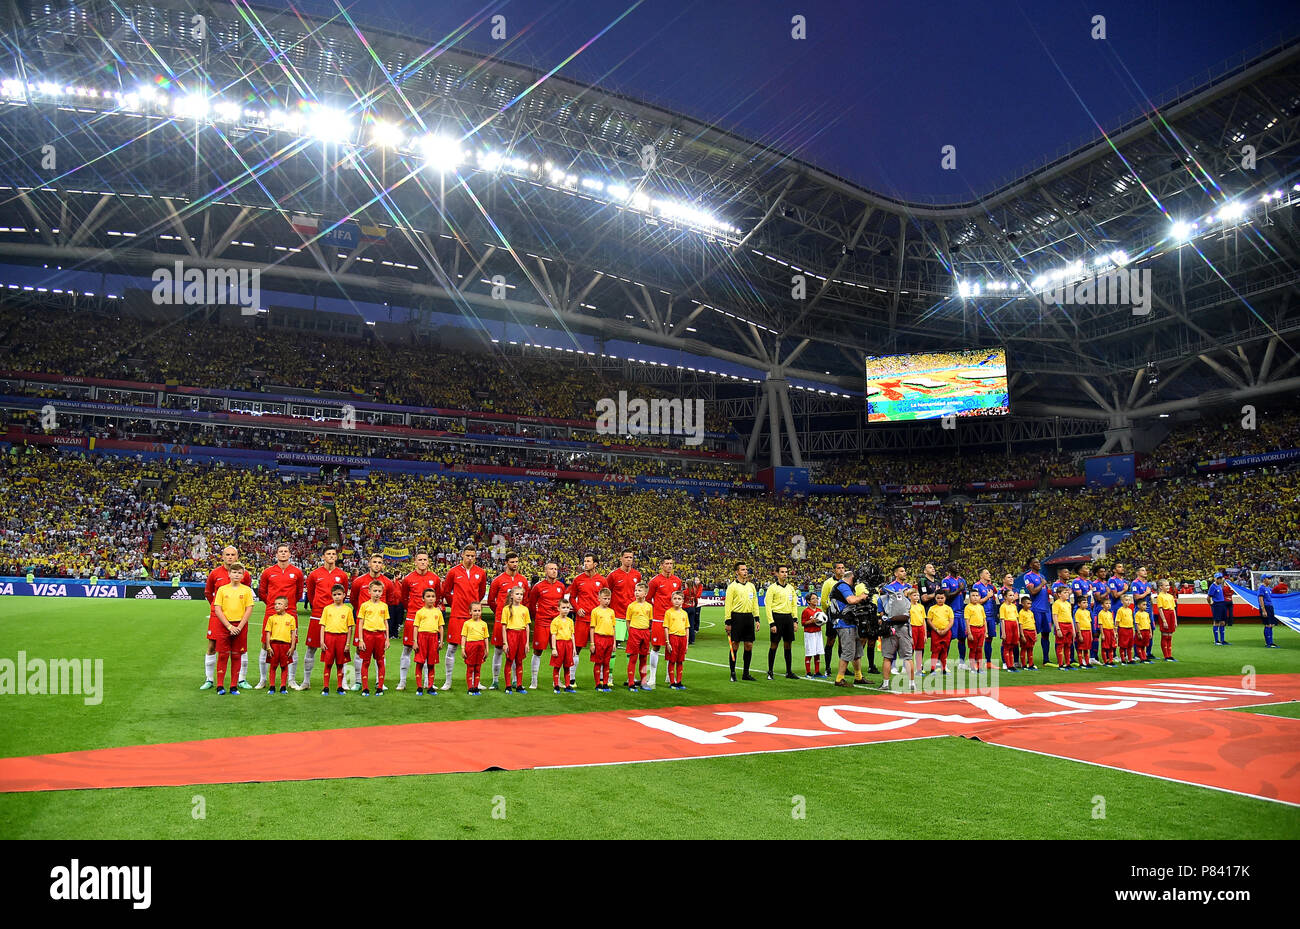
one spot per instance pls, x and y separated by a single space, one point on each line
1219 437
193 352
68 515
450 454
949 467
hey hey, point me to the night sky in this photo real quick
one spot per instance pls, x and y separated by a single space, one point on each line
877 88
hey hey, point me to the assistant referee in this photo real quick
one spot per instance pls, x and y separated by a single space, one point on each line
740 617
781 603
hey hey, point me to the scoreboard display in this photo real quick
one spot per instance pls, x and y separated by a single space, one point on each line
936 384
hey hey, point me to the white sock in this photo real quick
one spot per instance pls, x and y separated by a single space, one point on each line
573 670
209 667
243 666
537 663
406 665
497 656
293 669
356 669
652 668
308 661
449 665
261 667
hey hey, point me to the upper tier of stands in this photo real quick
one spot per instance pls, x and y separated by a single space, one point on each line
198 353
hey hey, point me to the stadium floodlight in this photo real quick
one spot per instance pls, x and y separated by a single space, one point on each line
227 111
621 192
492 161
386 135
1119 257
326 124
192 106
1232 210
964 289
1181 231
441 152
49 89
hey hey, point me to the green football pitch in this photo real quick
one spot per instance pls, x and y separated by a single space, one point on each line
152 657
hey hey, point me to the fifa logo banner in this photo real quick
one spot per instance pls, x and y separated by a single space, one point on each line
1109 471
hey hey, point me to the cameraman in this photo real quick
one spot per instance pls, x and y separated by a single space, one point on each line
846 628
896 639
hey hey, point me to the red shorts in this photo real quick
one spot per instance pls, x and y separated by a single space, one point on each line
215 629
562 653
1065 634
602 648
1108 638
234 644
1085 640
516 644
498 631
313 632
454 625
541 635
408 633
1010 633
335 649
426 648
657 634
677 648
976 634
376 642
1125 637
475 652
1168 622
266 632
918 638
280 655
638 641
581 633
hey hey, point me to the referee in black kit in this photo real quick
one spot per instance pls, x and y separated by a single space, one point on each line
781 604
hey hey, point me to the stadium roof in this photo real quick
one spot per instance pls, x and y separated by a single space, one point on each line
694 243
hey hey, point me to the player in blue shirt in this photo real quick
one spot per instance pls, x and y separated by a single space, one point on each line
1143 593
1267 614
954 586
1081 590
1118 586
1218 609
1036 585
986 593
1098 603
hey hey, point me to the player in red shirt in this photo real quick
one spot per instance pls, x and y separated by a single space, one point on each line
413 587
622 583
218 578
544 603
584 596
360 593
319 587
464 584
659 592
282 579
502 584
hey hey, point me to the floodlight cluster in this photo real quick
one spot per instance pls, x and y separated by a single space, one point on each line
1234 212
331 125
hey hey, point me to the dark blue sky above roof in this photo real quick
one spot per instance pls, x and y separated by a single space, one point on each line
876 89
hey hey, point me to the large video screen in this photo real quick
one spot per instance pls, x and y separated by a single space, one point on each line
937 384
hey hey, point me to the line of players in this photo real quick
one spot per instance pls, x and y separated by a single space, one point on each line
593 611
1095 621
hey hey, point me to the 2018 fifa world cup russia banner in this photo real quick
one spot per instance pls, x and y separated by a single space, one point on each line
1249 461
1109 471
